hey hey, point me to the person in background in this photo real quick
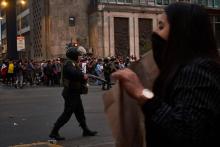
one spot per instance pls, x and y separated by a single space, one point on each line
84 65
4 69
19 74
107 74
99 71
48 71
121 64
59 69
10 73
183 110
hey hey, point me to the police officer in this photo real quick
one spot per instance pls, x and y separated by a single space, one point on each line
72 77
107 73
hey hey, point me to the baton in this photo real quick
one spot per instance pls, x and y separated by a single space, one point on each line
97 78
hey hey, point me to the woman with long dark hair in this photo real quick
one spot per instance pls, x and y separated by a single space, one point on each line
184 108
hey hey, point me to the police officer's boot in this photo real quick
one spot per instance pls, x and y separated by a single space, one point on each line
55 134
87 131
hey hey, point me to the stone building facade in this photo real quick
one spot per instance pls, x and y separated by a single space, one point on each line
122 30
50 26
103 27
124 27
61 31
47 29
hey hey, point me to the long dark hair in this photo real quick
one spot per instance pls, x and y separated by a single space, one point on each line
191 36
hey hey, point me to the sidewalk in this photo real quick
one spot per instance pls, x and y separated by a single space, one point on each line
97 141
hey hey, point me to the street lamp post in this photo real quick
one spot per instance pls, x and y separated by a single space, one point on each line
11 29
1 18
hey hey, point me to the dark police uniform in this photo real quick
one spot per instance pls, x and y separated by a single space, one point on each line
107 73
73 78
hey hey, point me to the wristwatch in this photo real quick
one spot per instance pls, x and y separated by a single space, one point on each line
147 93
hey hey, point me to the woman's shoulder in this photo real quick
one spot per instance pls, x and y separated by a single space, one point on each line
203 64
201 71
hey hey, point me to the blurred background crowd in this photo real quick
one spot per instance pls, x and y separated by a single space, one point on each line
20 73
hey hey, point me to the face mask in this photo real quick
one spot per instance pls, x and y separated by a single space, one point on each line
159 45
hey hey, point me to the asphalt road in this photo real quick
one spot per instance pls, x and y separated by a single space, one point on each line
27 116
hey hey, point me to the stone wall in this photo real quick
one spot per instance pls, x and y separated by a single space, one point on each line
60 33
96 34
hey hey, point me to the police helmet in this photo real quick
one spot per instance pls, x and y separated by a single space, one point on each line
73 53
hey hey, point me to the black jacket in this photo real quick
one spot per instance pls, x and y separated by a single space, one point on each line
189 116
74 76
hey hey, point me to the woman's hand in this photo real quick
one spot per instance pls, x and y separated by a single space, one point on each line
131 83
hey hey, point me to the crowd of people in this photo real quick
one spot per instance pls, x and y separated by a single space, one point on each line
18 73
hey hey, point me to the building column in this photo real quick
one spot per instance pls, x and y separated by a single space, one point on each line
108 35
106 39
134 36
111 37
155 24
131 35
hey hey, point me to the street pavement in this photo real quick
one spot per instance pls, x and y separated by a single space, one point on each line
27 116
